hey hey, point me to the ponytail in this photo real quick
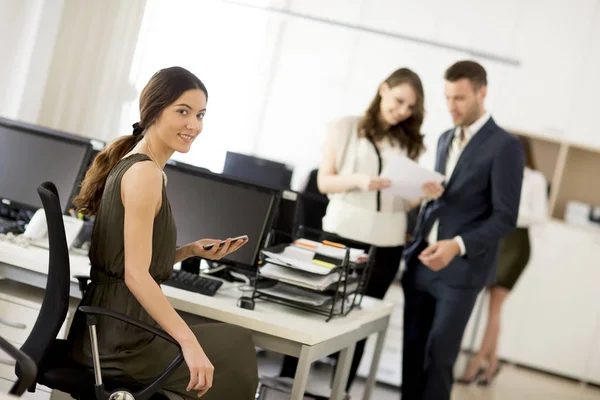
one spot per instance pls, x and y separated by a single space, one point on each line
87 200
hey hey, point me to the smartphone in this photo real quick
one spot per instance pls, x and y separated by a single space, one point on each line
233 240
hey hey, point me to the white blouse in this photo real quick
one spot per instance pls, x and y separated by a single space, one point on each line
354 214
533 208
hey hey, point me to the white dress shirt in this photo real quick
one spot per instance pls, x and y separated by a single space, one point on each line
454 152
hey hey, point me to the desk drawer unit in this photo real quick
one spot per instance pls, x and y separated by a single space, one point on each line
43 394
7 365
20 318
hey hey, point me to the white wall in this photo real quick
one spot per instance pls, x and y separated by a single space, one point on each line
331 70
275 80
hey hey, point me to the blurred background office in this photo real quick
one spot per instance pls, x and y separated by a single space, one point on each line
279 70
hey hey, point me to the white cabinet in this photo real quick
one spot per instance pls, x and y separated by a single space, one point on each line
551 319
592 373
390 364
21 319
20 305
583 127
6 384
560 318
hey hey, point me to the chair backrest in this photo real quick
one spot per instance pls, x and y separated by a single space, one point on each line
56 298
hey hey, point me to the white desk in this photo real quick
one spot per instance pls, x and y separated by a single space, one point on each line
277 328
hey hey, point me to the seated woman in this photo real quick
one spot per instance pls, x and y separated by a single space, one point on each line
133 250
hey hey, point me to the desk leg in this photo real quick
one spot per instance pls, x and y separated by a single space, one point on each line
375 362
302 371
341 374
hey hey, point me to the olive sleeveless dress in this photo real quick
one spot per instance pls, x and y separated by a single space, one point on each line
133 355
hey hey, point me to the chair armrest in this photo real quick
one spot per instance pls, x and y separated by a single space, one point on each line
92 311
26 366
144 394
83 282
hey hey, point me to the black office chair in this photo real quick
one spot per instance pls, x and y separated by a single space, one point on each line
49 354
26 366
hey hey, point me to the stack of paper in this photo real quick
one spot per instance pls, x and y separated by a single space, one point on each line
298 258
297 294
299 277
356 255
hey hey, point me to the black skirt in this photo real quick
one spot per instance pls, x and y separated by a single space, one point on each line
513 258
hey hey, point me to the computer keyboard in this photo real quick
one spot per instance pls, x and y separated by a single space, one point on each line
194 283
9 225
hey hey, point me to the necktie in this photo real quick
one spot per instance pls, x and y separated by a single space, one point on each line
463 137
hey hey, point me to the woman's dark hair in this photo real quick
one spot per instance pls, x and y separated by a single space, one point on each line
529 160
406 133
165 86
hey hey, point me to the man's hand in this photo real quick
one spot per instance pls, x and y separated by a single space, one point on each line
432 190
438 255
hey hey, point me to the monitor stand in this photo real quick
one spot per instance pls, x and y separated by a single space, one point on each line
191 265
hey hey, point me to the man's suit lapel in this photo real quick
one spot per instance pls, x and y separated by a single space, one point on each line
440 166
442 156
470 150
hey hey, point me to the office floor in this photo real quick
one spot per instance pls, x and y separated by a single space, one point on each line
512 383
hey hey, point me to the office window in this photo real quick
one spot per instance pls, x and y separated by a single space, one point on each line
229 48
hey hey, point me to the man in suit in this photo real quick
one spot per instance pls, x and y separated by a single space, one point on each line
453 250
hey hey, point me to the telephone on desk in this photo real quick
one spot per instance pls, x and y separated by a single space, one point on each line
37 229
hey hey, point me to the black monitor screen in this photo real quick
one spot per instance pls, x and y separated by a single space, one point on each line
258 170
31 155
207 205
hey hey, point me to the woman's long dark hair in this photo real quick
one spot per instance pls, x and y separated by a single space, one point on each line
165 86
406 133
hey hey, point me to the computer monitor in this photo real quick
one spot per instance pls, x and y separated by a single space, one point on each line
258 170
207 205
31 155
288 217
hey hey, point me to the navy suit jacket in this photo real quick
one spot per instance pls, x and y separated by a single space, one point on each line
480 203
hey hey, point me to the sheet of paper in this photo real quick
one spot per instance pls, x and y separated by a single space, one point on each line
407 177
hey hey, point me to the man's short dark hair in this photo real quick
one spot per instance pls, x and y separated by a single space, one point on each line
470 70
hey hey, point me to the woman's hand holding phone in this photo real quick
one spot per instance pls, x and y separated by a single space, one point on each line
215 249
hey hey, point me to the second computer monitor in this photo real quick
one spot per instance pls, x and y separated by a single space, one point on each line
31 155
207 205
258 170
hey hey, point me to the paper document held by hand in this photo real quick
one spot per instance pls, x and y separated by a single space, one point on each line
407 177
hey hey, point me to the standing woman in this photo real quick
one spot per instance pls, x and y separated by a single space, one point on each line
354 153
133 250
513 258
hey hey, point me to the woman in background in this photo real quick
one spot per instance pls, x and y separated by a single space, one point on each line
354 153
513 258
133 250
